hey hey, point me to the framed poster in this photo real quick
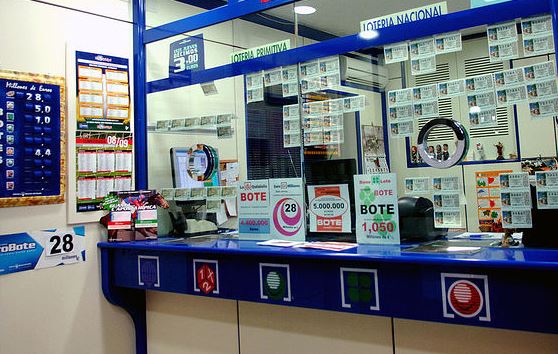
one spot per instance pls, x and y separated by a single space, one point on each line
32 139
103 92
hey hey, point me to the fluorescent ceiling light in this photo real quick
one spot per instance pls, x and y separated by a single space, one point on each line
369 34
304 10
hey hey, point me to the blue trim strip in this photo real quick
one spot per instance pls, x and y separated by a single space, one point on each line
447 23
209 18
140 95
554 14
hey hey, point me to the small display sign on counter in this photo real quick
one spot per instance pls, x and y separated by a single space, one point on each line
377 210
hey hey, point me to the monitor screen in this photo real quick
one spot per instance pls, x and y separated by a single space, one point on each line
192 168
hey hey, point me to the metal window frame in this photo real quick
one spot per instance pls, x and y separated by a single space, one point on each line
490 14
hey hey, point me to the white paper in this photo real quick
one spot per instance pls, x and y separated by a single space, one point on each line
510 96
544 108
454 88
400 97
422 66
418 185
426 110
448 43
396 53
486 117
538 46
402 129
503 51
509 78
485 100
542 90
422 48
540 72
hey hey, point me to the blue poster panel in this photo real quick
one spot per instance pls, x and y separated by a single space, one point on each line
186 55
32 163
103 92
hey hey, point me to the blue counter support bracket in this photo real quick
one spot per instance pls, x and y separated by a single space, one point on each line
129 299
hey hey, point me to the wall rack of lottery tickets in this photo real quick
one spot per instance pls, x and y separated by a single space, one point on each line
32 139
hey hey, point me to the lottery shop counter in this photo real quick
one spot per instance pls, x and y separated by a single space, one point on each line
514 288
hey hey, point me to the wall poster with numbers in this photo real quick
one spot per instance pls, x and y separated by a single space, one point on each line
104 164
32 139
103 92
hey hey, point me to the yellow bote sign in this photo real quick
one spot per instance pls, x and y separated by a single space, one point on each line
32 139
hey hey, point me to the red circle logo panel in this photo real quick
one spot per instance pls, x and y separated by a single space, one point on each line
465 298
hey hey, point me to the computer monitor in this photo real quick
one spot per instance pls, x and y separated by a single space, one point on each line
324 172
193 167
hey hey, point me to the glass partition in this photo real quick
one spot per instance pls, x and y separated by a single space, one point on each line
377 109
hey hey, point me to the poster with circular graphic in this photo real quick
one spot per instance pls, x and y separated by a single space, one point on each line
287 208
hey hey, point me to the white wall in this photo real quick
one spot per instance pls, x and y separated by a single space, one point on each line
62 309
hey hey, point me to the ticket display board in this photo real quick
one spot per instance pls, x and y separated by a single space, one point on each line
32 139
103 92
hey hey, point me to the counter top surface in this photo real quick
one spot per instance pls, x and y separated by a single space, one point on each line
486 257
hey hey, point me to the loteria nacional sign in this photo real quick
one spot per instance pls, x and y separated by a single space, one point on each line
413 15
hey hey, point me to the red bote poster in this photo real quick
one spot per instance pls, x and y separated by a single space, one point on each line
329 208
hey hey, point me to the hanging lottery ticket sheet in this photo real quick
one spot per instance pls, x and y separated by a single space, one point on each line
425 93
538 46
354 104
485 100
422 48
454 88
542 108
400 97
537 35
402 129
402 113
422 66
289 73
502 41
485 117
515 200
417 185
273 77
511 95
479 84
540 72
547 189
448 184
447 219
291 111
543 89
448 43
426 110
396 53
503 51
509 78
517 219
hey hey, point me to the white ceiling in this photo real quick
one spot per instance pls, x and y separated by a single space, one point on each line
342 17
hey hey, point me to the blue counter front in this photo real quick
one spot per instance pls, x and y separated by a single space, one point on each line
499 288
